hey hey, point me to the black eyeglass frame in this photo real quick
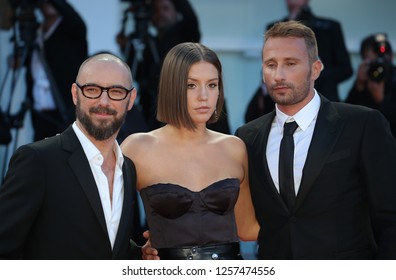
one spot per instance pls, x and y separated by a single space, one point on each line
102 89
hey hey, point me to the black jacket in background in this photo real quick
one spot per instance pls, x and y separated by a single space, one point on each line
386 107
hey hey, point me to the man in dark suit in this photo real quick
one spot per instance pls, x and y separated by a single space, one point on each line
59 49
332 49
71 196
343 205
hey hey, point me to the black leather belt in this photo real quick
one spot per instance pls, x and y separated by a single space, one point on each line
227 251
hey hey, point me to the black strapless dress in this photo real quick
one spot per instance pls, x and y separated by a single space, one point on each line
193 225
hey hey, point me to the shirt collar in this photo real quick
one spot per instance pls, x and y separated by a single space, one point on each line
303 117
90 149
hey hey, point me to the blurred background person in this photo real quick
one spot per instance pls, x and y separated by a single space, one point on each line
48 44
60 47
260 104
174 22
331 45
375 83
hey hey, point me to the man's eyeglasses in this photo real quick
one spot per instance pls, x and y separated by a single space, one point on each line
93 91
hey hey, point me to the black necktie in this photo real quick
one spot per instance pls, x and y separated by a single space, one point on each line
286 155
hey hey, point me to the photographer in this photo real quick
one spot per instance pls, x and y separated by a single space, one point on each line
60 47
375 84
175 22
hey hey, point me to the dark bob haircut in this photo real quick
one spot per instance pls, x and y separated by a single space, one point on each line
172 92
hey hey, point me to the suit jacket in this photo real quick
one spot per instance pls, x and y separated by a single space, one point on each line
346 204
332 52
64 51
50 206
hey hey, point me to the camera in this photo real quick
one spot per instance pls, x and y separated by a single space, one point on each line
380 68
141 9
142 12
24 16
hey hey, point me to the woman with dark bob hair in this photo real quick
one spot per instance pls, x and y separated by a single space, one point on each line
193 181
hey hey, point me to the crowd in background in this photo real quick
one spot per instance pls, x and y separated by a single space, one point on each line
174 21
60 45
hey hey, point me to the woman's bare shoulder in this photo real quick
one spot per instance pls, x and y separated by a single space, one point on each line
228 139
138 143
230 144
136 138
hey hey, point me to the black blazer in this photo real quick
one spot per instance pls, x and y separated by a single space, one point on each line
346 204
64 51
50 206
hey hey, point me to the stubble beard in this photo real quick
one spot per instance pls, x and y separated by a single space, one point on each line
296 95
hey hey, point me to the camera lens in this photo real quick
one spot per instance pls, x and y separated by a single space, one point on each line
379 69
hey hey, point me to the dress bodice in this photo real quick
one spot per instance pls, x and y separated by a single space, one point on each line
177 216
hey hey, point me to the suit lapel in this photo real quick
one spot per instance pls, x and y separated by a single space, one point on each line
259 153
79 164
326 133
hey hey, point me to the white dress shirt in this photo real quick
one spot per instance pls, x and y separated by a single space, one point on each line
111 209
306 119
42 92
